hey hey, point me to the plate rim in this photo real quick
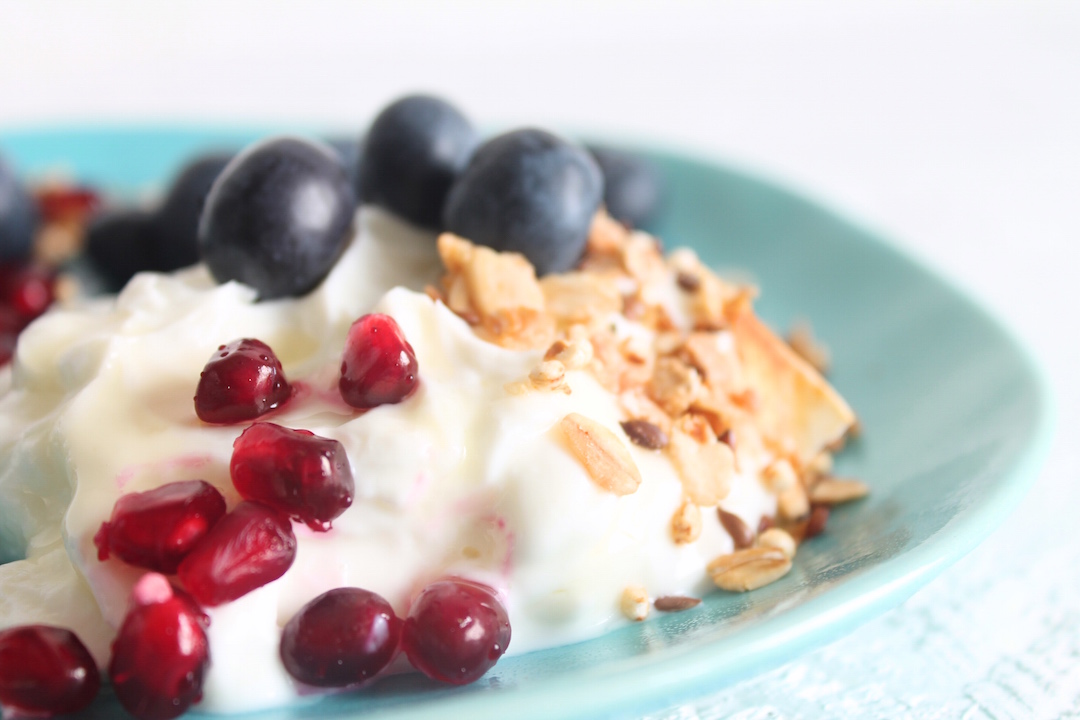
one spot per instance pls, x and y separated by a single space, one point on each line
691 670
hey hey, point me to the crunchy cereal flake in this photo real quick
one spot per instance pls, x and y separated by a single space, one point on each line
704 464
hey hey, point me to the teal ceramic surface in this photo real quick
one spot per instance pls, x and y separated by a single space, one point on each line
956 423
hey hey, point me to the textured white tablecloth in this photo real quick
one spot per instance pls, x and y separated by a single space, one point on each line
951 127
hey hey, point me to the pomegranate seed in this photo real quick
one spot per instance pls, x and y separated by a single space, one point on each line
157 528
456 631
379 365
11 324
340 638
251 546
45 670
28 289
66 202
242 381
305 476
161 652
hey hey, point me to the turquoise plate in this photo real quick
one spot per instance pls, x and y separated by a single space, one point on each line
957 421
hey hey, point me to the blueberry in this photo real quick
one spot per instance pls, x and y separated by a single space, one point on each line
531 192
177 221
277 217
120 244
414 150
18 216
632 186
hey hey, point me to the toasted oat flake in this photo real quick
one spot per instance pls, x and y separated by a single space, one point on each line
834 490
634 603
675 603
686 523
778 539
604 456
748 569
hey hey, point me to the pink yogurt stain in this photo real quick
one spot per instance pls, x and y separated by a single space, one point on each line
179 465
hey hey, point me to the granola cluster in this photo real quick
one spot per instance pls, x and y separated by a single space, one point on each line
698 378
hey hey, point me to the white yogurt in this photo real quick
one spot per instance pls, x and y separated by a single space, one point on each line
461 478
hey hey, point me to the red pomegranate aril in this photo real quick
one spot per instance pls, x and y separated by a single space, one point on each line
156 529
379 365
342 637
240 382
160 653
456 631
62 203
28 289
305 476
249 547
45 670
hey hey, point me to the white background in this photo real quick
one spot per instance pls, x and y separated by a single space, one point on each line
953 128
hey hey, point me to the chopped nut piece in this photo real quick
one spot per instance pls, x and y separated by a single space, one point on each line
635 603
674 385
608 363
833 491
708 302
779 476
637 406
748 569
778 539
802 341
549 375
705 467
819 467
606 235
718 369
604 456
644 434
573 354
738 530
499 288
686 523
641 257
793 503
580 297
675 603
667 342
